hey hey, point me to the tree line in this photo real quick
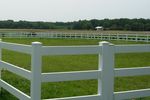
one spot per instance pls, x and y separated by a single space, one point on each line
108 24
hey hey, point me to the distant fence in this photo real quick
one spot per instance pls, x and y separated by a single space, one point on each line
100 36
105 73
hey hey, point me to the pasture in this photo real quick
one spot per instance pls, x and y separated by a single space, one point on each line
72 31
73 63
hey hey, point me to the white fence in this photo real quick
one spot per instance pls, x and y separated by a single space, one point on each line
101 36
105 74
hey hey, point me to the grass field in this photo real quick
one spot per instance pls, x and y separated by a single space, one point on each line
73 31
73 63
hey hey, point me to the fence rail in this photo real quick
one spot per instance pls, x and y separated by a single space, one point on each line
100 36
105 73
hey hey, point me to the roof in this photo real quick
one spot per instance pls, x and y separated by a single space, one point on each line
99 27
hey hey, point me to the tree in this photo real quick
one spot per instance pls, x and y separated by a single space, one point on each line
111 24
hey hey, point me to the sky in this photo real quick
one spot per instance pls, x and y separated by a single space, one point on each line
72 10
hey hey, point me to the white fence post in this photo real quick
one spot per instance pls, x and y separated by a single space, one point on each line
147 37
36 71
106 65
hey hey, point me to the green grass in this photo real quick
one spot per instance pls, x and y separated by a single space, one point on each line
73 63
74 31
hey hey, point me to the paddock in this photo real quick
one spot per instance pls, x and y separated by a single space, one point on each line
64 35
68 63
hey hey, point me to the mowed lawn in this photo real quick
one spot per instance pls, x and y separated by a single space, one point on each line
73 63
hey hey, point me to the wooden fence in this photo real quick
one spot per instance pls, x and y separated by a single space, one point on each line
105 74
100 36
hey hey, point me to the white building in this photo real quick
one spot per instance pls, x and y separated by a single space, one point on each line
99 28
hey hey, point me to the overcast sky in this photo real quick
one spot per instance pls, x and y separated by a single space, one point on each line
71 10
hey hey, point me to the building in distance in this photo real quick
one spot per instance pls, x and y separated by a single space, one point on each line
99 28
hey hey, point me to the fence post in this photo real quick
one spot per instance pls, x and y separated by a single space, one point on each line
117 36
147 37
137 37
36 62
106 66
